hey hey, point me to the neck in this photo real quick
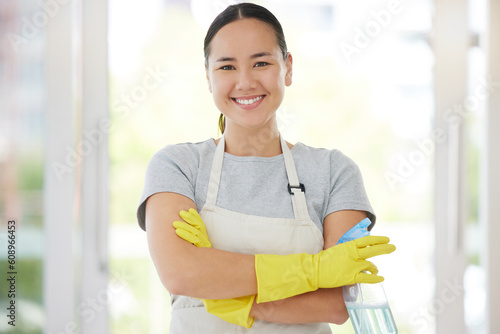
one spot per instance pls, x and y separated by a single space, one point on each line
261 142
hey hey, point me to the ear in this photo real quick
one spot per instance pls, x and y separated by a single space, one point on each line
208 78
288 65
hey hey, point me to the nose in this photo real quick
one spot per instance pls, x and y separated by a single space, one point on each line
246 80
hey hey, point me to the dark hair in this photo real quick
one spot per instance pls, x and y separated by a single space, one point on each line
243 11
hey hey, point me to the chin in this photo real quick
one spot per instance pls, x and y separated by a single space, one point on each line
252 124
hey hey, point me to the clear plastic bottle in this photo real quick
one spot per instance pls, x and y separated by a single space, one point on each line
367 304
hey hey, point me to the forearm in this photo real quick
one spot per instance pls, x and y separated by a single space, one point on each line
209 273
323 305
187 270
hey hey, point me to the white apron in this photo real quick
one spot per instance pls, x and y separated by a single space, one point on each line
249 234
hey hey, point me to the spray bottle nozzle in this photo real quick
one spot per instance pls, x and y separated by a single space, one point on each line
359 230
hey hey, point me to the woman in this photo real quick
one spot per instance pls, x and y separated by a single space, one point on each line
258 195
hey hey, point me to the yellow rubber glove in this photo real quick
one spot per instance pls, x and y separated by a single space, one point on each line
283 276
233 310
192 229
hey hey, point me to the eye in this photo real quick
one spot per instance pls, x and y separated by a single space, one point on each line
227 67
261 64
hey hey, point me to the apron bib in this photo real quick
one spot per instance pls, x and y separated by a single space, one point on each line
249 234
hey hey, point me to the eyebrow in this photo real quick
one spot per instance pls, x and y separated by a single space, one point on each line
256 55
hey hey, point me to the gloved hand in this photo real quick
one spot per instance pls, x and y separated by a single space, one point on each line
283 276
233 310
192 229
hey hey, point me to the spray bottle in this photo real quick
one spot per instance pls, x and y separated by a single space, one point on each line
367 304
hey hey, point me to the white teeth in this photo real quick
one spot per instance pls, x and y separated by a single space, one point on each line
249 101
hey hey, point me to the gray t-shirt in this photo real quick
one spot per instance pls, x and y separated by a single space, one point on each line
258 185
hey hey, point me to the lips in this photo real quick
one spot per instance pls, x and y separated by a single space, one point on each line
248 102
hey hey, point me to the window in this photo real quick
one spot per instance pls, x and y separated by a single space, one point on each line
22 116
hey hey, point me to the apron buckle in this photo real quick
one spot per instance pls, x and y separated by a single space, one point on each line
300 186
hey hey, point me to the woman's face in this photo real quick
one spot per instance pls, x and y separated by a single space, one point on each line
247 74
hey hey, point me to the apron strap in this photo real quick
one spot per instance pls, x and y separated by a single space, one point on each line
296 189
215 172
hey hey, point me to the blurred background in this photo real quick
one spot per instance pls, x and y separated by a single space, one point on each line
91 89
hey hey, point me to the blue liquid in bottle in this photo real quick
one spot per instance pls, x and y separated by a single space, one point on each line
367 305
368 319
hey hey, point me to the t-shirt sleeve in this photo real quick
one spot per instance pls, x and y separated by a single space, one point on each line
172 169
347 191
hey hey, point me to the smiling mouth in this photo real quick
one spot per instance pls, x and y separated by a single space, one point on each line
248 101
